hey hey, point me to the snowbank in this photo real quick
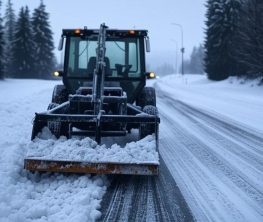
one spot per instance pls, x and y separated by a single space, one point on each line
26 197
47 147
237 99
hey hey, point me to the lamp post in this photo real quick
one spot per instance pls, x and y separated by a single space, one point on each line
182 38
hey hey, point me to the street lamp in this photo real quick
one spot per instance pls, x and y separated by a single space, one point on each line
182 38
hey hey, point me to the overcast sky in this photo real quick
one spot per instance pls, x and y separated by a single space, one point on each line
154 15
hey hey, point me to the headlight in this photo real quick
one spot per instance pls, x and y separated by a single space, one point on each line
152 75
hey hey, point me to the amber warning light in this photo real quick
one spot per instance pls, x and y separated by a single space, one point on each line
77 31
132 32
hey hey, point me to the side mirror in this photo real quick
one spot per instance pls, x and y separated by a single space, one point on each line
147 43
61 43
58 73
150 75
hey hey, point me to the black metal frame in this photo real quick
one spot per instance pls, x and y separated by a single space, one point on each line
93 110
57 114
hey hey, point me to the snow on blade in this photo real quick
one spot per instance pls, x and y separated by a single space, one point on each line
47 147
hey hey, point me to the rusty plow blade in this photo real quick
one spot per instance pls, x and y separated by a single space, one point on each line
64 166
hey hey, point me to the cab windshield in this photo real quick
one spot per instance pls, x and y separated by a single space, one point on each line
122 57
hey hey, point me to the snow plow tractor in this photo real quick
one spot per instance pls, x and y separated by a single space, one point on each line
103 94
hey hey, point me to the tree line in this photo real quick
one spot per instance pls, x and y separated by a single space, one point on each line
234 39
195 64
26 43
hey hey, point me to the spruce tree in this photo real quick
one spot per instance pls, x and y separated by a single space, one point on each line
195 65
196 60
9 28
23 47
43 42
232 13
201 55
222 22
251 35
193 60
214 59
1 46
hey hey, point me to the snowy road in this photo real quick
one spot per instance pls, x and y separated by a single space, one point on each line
137 198
216 162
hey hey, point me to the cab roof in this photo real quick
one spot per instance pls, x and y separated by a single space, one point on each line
110 32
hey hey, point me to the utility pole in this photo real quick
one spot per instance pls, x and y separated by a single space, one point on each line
182 39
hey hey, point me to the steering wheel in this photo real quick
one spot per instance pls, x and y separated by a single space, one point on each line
123 70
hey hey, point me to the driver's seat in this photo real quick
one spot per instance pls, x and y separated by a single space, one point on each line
92 66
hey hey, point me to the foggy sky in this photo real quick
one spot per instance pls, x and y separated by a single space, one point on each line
154 15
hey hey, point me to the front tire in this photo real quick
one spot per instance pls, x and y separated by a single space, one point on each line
148 129
56 128
60 94
147 97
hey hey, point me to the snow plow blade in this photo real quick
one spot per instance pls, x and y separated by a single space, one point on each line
59 166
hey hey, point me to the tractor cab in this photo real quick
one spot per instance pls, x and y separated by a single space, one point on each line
124 59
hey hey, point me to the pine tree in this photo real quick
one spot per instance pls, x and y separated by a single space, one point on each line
201 55
251 35
214 58
9 28
232 19
23 47
43 42
189 64
222 22
1 46
195 65
196 60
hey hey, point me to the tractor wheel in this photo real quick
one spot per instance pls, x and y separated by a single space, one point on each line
60 94
57 128
148 129
147 97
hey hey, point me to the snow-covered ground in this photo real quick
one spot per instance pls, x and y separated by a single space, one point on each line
238 99
26 197
211 139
